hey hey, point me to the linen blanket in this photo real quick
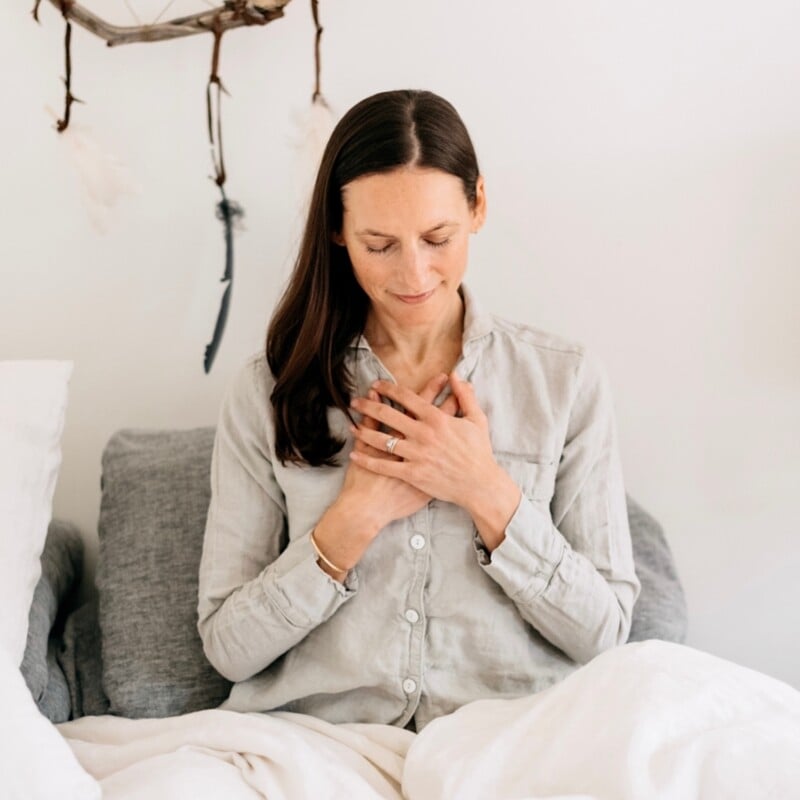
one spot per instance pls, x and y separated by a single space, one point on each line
641 721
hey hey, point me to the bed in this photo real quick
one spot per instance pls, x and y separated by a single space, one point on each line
114 697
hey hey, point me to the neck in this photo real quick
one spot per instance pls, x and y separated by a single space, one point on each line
418 345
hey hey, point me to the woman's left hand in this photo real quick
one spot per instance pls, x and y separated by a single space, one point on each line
449 458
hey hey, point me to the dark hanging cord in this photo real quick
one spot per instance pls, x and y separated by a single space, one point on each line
215 82
227 211
69 98
317 90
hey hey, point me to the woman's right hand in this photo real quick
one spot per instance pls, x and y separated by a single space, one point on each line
368 501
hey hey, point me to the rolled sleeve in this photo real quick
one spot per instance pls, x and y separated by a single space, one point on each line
305 594
259 593
571 573
523 563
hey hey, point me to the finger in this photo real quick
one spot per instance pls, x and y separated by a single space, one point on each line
362 447
369 422
387 415
366 422
465 395
361 444
381 466
411 401
358 444
378 442
432 388
450 405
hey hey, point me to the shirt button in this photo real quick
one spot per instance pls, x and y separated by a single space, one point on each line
412 616
417 541
409 686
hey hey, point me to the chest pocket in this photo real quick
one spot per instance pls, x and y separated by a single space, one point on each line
536 479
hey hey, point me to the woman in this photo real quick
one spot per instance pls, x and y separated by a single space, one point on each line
414 504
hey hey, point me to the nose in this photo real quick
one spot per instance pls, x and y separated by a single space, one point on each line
415 270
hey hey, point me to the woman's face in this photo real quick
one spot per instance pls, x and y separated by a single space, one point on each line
407 234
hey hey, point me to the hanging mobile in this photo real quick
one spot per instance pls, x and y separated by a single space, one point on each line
230 14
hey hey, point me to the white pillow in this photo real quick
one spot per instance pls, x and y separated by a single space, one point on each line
35 761
33 399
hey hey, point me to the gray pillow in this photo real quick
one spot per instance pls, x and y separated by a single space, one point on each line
62 561
79 658
660 611
155 495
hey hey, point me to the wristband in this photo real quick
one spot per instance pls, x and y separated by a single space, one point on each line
320 554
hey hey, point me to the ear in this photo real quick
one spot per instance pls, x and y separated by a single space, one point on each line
479 208
337 238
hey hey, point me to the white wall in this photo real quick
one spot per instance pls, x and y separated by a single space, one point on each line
643 165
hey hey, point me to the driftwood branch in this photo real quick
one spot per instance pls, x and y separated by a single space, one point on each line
231 14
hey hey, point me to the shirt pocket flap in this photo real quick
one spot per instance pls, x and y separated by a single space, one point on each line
535 476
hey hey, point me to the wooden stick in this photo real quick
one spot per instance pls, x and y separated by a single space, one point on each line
233 14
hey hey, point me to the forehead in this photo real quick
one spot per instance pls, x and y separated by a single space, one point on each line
407 194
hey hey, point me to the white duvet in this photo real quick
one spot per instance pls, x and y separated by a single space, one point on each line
647 720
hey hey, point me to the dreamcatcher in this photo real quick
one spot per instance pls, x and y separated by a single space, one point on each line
216 20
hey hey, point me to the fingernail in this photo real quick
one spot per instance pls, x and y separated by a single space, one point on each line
352 429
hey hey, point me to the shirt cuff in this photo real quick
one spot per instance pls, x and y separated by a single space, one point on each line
524 562
304 593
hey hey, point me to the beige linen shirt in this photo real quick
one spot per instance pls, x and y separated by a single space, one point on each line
428 620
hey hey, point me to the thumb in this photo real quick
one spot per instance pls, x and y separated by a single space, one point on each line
450 405
433 387
465 395
370 422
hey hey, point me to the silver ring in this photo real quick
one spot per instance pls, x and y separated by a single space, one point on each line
391 443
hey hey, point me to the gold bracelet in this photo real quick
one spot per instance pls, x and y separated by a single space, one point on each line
319 553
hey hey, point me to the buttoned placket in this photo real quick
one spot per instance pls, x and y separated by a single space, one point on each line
417 528
418 533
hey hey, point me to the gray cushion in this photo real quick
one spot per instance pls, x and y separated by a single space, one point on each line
62 561
155 495
660 611
80 660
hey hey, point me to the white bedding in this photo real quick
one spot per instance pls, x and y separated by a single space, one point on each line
647 720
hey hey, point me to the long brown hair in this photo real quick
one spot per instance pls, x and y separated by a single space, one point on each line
323 308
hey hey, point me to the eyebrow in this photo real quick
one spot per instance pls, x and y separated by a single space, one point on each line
371 232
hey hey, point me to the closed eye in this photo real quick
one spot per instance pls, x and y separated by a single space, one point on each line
388 246
383 249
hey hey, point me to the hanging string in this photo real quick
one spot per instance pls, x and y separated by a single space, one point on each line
317 96
133 13
227 211
69 98
61 125
215 87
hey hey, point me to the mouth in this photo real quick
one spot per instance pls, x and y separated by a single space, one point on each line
414 299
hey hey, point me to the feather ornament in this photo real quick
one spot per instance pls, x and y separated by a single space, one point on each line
102 177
